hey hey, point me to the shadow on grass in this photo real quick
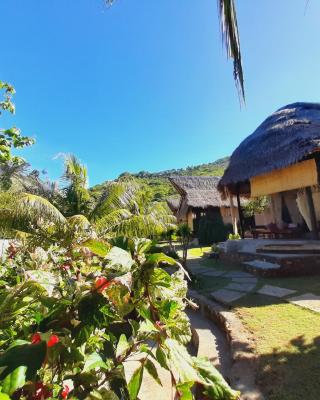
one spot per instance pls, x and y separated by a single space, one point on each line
291 375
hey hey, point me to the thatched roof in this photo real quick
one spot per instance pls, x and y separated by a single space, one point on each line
173 203
287 136
199 191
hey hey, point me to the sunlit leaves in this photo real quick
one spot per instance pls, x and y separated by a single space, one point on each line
135 383
15 380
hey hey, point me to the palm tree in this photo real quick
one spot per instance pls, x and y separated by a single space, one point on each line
127 209
76 191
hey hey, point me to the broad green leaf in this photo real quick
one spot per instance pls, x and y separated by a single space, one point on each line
94 361
159 277
98 247
180 362
119 260
151 368
184 391
30 356
146 327
14 381
122 346
161 358
169 308
157 258
18 342
4 396
215 385
44 278
135 383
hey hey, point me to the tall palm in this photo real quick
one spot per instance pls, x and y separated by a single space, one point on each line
76 191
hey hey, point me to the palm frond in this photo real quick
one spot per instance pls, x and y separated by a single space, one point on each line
231 40
118 196
111 221
38 208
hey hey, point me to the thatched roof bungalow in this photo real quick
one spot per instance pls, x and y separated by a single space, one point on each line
199 197
173 203
280 157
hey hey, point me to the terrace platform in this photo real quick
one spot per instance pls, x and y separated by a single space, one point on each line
275 257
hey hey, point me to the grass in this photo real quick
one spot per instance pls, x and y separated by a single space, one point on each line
287 337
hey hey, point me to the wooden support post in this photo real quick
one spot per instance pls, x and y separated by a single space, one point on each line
233 214
312 212
240 215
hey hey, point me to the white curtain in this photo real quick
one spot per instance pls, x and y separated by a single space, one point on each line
303 207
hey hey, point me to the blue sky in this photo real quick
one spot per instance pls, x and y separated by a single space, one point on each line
145 84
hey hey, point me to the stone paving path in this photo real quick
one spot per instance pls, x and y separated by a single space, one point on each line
275 291
307 300
243 283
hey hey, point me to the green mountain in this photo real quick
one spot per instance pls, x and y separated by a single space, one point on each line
158 182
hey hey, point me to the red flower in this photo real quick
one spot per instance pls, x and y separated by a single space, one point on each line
65 391
36 338
54 339
101 284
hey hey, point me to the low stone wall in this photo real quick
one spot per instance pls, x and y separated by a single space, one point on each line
244 368
298 265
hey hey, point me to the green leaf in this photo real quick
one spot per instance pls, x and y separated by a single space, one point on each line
156 258
44 278
122 346
15 380
146 327
119 260
161 358
159 277
150 367
135 383
4 396
98 247
184 391
30 356
180 362
215 385
94 361
169 308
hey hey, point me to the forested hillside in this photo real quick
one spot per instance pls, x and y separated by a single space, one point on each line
158 182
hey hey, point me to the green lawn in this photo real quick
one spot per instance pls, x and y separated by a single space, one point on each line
287 337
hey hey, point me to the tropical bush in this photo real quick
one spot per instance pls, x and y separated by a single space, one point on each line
71 320
212 230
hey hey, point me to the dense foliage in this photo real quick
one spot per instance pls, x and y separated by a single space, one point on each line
256 206
212 230
158 182
71 321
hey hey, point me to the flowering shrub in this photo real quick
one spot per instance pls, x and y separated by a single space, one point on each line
70 319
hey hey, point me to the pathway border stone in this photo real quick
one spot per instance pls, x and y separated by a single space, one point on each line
245 362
